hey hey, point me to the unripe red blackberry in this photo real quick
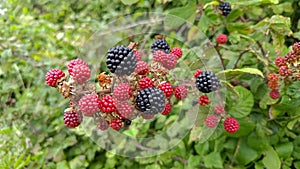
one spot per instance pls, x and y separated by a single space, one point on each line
180 92
219 109
273 84
291 57
73 63
166 88
280 61
204 100
169 61
197 73
146 82
225 7
177 52
147 116
159 56
121 60
116 124
137 54
211 121
273 77
81 73
72 118
107 104
221 39
150 101
141 68
53 76
296 48
102 124
122 92
207 82
88 104
160 44
124 110
231 125
284 71
167 110
274 94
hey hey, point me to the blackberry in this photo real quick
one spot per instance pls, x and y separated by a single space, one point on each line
160 44
225 7
127 122
150 101
121 60
207 82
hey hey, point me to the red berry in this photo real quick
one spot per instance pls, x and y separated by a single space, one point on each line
137 54
116 124
159 55
102 124
141 68
147 116
124 110
122 92
73 63
219 109
274 94
167 110
280 61
221 39
180 92
177 52
81 73
273 77
146 82
296 48
284 71
203 100
169 61
197 73
88 104
273 84
107 104
72 118
166 88
53 76
211 121
291 57
231 125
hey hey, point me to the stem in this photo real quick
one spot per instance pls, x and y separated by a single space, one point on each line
220 56
235 152
184 161
239 58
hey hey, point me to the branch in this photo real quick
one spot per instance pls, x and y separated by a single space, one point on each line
239 58
235 152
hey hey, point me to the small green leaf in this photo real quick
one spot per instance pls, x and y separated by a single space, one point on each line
213 160
178 16
129 2
245 153
271 159
233 73
285 149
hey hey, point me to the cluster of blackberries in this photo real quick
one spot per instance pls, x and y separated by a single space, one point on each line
225 7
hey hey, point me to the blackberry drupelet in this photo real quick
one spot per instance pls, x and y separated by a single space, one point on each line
121 60
160 44
150 101
225 7
207 82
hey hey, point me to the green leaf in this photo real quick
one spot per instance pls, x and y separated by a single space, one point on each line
129 2
271 159
267 100
203 23
252 2
241 106
245 153
178 16
234 14
194 161
213 160
285 149
242 28
233 73
230 87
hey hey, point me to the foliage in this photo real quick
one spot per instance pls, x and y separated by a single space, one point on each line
39 35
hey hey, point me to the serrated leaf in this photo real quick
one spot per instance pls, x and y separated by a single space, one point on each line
232 73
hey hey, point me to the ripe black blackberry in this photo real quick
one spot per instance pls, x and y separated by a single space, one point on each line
160 44
121 60
127 122
150 101
207 82
225 7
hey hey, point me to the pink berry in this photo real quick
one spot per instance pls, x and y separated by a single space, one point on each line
145 82
137 54
72 118
53 76
180 92
141 68
274 94
219 109
167 110
221 39
177 52
159 55
73 63
166 88
122 92
124 110
81 73
169 61
231 125
88 104
211 121
203 100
